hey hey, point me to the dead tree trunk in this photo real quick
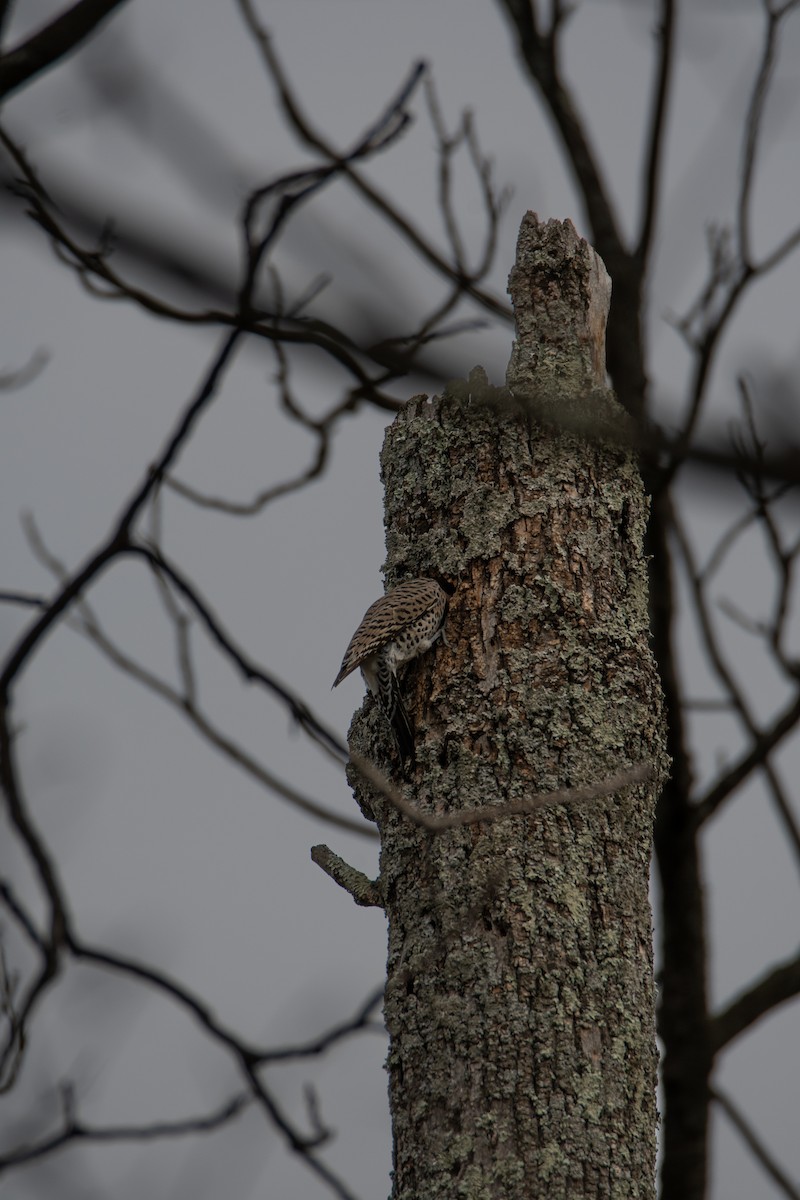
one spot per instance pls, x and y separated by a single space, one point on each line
520 996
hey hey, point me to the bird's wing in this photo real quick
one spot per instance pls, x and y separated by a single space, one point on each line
386 619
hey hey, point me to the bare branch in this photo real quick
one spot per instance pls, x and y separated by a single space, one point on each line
448 146
774 988
724 545
737 696
654 156
755 1145
94 266
70 591
361 1020
75 1130
5 13
22 376
118 540
19 1013
321 430
24 599
732 268
539 52
63 35
781 463
21 916
185 702
300 124
703 705
16 1036
180 621
497 812
751 475
780 253
299 710
191 269
246 1057
775 15
764 742
215 737
54 943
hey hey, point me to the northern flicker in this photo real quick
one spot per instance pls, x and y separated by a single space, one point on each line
402 624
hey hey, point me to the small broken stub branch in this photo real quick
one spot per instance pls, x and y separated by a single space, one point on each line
365 891
561 294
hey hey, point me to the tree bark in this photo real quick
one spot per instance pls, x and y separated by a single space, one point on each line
520 996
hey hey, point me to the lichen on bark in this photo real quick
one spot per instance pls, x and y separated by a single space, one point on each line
520 997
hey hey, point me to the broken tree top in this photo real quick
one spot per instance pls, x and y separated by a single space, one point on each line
561 294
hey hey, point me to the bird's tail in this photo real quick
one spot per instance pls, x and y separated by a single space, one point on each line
395 710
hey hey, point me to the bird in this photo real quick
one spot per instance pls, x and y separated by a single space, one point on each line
401 625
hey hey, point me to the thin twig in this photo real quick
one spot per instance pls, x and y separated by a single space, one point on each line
16 1028
253 673
94 265
656 138
311 137
76 1130
732 266
246 1057
775 987
24 599
51 43
436 823
22 376
754 758
737 695
185 702
117 541
755 1145
361 1020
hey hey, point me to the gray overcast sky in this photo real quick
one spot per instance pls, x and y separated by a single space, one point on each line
167 851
